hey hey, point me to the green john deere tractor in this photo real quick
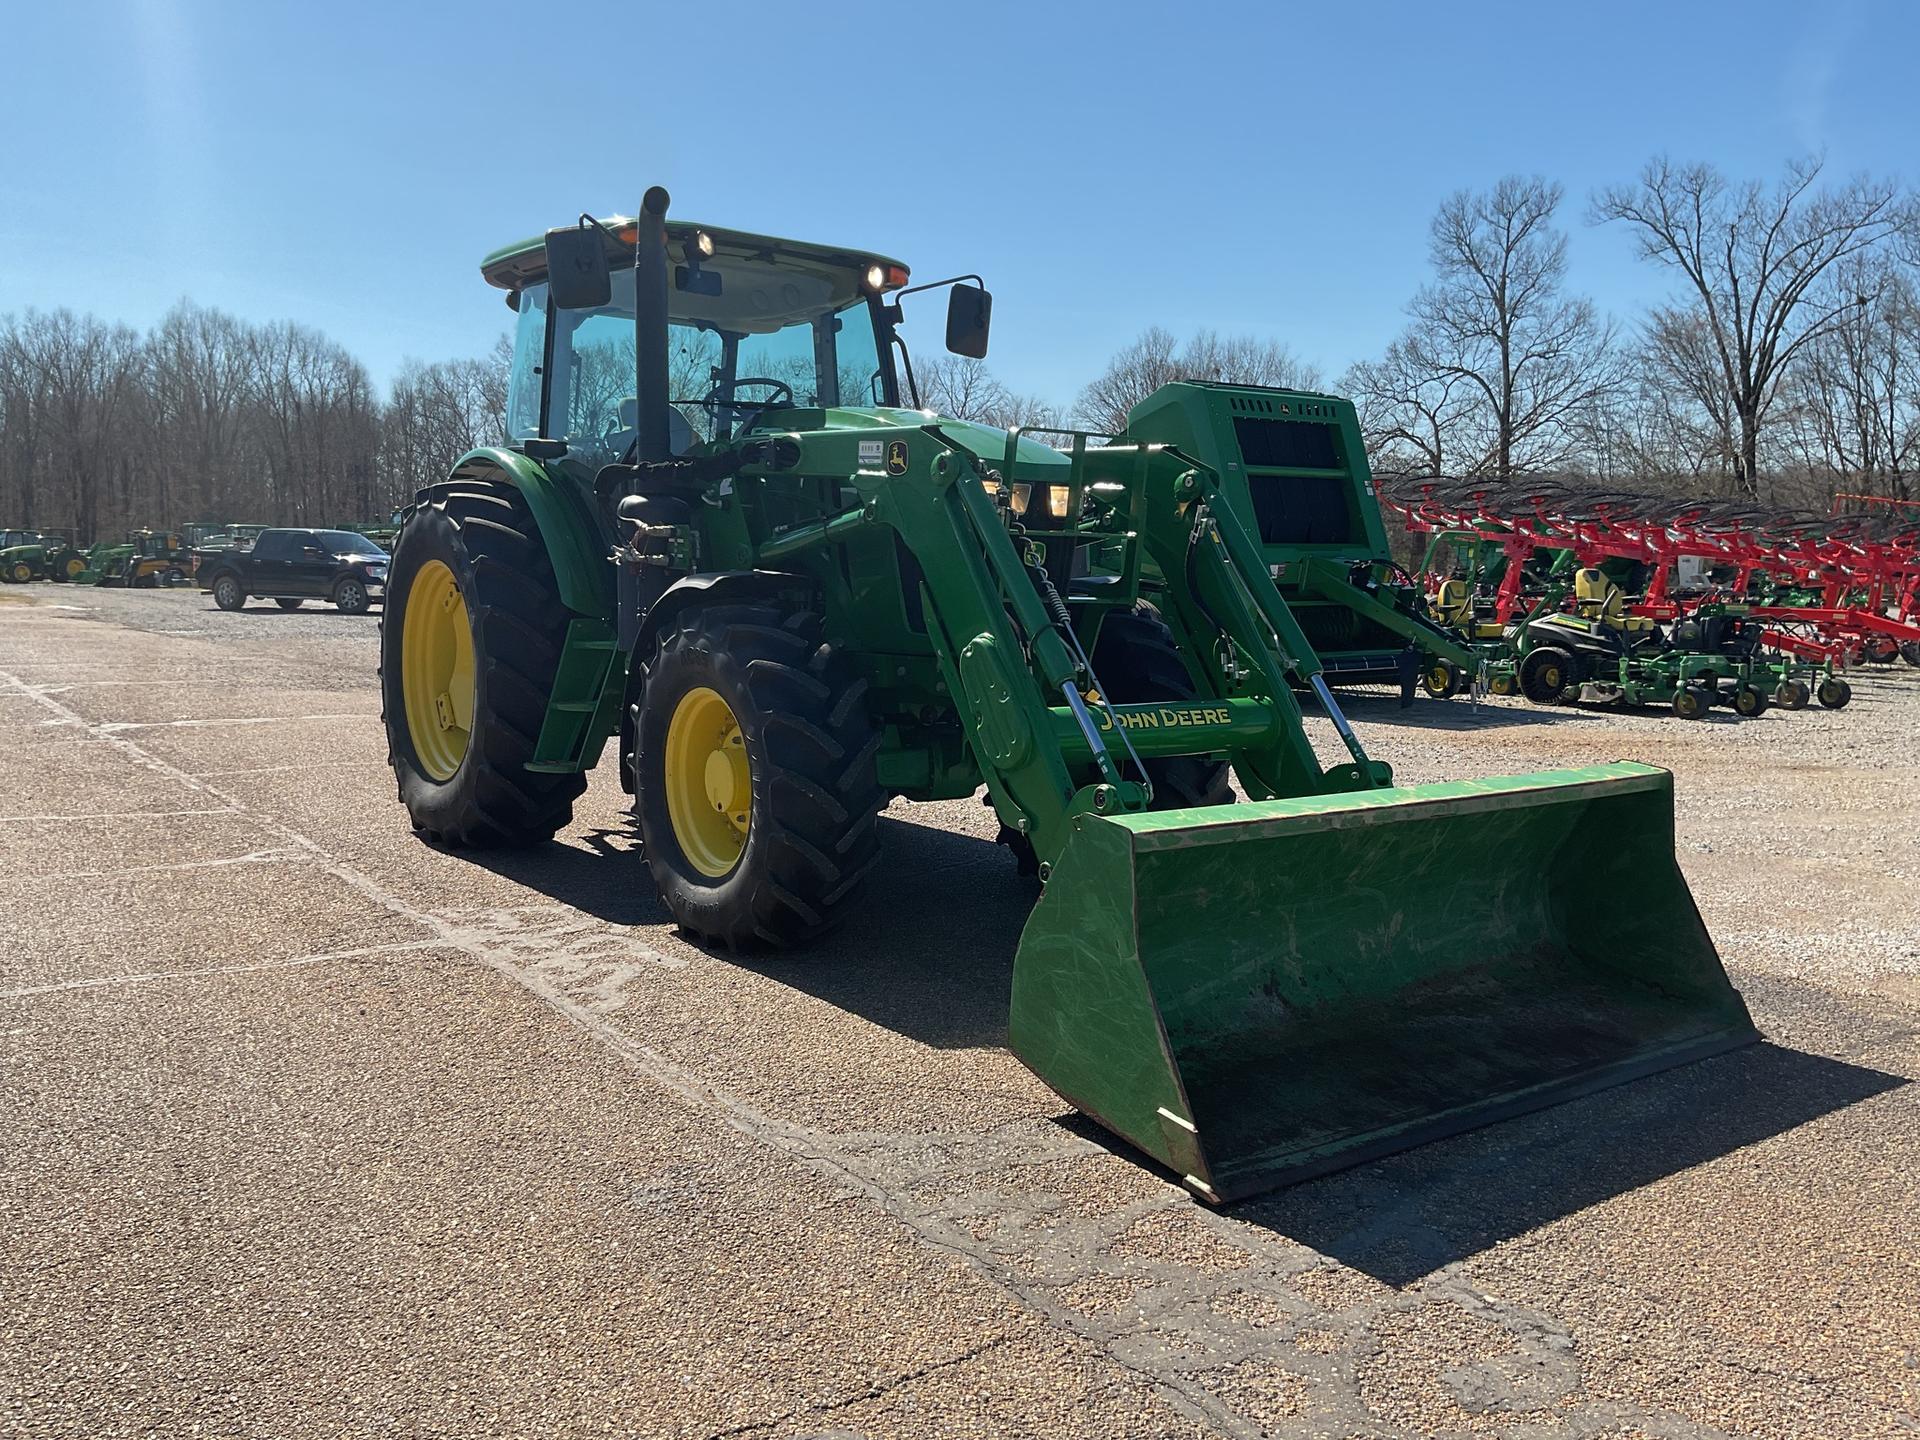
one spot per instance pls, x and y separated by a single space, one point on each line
32 555
720 535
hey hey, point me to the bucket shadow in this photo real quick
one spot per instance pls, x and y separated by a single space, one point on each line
1407 1215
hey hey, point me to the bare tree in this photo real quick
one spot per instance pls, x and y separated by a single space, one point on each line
965 389
1495 319
1156 358
1752 258
1855 397
1413 418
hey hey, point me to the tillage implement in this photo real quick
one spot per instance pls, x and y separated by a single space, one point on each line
720 534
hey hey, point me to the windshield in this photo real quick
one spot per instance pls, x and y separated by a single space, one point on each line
346 542
798 330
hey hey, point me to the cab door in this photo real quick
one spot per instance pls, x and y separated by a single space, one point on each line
271 563
313 567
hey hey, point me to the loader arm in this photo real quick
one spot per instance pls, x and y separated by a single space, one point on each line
1050 744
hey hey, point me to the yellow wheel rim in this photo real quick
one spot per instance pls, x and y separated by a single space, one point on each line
75 566
23 573
709 782
436 671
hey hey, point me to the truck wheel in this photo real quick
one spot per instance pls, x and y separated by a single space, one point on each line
350 597
469 646
1137 660
287 604
227 593
754 776
1544 674
1834 693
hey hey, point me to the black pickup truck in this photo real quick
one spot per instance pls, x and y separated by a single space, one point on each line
289 566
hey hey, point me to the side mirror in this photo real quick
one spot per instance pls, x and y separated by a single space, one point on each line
577 268
969 315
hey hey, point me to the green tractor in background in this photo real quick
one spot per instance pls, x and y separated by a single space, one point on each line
27 555
146 559
720 535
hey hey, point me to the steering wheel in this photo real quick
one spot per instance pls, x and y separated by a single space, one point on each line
720 398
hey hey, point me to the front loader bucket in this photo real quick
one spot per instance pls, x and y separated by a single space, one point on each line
1256 994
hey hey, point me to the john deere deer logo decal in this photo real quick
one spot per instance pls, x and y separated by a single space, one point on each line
896 457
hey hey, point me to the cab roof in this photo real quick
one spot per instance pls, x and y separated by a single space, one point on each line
513 267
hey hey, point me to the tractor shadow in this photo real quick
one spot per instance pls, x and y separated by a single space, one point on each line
928 953
1405 1216
929 956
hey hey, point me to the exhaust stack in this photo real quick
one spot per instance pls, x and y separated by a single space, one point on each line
650 324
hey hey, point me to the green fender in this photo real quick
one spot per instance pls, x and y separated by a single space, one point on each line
566 523
584 707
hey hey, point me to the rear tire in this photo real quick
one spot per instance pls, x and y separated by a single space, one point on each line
1545 673
287 604
484 534
1138 661
350 597
799 753
228 594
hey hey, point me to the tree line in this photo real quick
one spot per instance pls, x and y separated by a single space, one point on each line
1783 365
209 417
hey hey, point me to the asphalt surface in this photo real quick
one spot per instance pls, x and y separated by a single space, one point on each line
307 1129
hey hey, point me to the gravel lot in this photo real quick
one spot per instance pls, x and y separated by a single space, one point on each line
309 1130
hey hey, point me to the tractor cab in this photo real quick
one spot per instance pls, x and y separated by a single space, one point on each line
755 325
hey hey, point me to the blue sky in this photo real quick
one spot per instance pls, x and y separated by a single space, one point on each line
1268 169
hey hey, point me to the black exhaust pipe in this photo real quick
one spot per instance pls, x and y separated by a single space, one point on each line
650 325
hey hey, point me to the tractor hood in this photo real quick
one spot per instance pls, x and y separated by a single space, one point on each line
986 443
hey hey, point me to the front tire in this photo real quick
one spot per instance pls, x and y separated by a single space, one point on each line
1834 693
754 776
473 616
1441 679
1691 702
1137 660
228 594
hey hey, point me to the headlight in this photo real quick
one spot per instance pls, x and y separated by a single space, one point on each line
1057 497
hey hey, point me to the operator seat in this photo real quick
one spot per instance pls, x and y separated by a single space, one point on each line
680 437
1596 597
1452 602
